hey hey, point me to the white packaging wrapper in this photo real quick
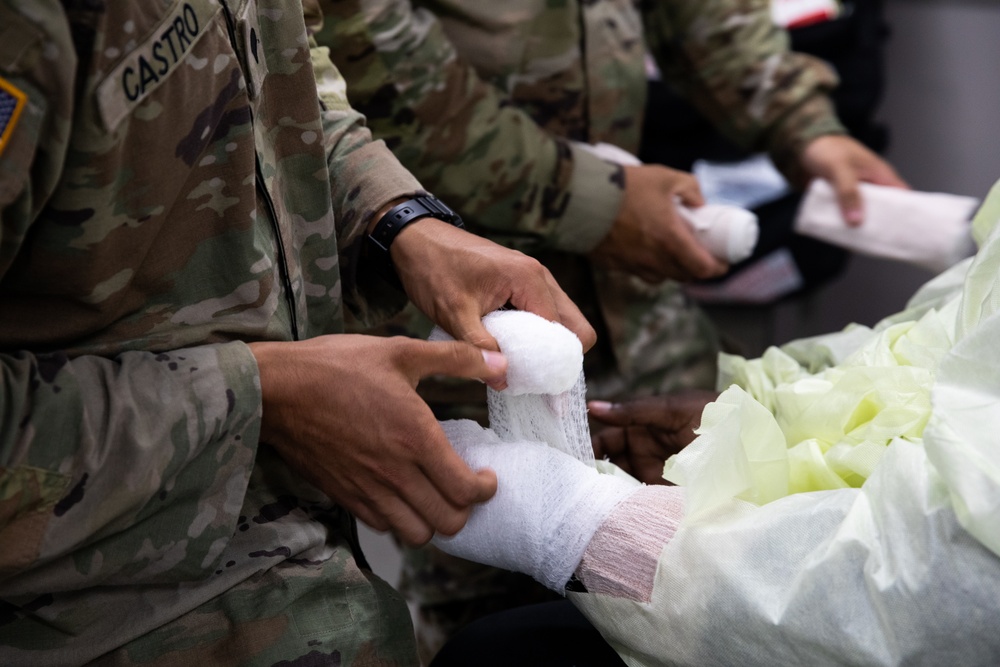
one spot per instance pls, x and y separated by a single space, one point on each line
930 230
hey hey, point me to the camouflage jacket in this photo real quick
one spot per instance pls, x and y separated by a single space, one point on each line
172 188
483 100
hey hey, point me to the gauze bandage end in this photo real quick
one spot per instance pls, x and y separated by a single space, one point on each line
547 507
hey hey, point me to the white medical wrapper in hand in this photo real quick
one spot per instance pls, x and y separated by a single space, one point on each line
931 230
547 507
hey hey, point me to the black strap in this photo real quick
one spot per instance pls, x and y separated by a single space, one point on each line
389 226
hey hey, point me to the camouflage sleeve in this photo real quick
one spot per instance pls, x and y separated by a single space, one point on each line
153 449
731 61
364 177
92 447
509 178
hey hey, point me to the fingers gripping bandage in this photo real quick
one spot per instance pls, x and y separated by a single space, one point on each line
550 498
545 398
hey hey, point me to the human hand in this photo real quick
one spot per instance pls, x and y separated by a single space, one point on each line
649 238
845 162
648 431
547 507
455 278
343 412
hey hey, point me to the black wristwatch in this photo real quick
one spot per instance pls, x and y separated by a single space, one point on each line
399 216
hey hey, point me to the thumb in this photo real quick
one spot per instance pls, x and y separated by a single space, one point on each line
454 359
845 184
469 328
466 324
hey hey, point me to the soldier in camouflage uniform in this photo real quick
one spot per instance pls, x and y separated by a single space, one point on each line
490 103
181 223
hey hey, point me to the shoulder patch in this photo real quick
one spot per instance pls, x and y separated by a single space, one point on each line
12 102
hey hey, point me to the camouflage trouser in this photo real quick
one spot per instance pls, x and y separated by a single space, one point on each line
307 614
651 340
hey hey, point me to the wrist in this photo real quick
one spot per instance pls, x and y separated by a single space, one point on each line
811 120
390 224
269 357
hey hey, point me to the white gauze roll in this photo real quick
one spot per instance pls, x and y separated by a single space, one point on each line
545 398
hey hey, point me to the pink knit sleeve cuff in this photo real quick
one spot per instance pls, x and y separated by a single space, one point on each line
621 559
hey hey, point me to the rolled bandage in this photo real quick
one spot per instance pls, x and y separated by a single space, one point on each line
545 398
542 357
728 232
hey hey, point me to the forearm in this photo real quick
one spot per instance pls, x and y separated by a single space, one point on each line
93 447
623 555
366 179
510 179
736 67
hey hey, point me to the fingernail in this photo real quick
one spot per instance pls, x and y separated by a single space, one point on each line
498 385
600 406
854 215
494 361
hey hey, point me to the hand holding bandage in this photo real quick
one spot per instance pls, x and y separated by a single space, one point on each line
550 497
930 230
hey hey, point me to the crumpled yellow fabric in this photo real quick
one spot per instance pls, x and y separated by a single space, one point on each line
819 413
903 570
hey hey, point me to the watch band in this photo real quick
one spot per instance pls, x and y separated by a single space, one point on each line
393 222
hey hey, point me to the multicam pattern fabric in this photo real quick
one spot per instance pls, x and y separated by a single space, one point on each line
175 188
482 100
485 104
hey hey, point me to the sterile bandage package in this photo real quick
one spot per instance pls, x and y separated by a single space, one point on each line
927 229
842 498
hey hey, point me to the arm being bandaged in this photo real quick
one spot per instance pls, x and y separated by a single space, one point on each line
931 230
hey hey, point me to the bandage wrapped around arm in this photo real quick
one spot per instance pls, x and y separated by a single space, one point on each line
547 506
